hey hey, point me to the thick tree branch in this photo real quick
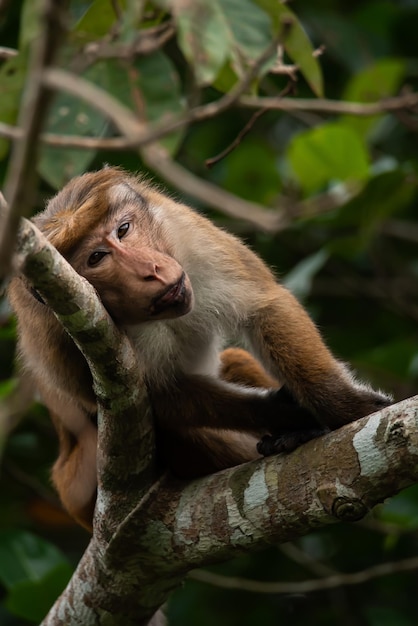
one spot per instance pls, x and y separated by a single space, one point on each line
128 440
180 526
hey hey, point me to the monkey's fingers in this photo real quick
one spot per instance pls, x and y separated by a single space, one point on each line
287 441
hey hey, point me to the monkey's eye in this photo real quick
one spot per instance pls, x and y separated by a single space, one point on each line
123 229
96 257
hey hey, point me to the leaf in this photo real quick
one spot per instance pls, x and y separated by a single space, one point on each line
7 387
12 78
213 33
160 88
24 556
152 85
296 43
384 195
33 599
378 81
96 21
250 171
203 37
299 279
71 116
251 30
328 153
395 357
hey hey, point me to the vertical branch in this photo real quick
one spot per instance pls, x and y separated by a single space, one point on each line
20 183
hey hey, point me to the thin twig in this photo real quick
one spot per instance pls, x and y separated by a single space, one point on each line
238 139
146 43
73 141
158 159
306 586
243 132
334 107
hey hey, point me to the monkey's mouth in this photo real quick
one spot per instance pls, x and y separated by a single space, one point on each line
176 295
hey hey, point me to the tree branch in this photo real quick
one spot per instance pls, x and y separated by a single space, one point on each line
307 586
332 107
20 183
128 440
328 107
179 526
157 158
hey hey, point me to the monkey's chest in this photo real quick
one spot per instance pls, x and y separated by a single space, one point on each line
167 350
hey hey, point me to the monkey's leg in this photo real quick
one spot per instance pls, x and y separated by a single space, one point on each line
74 473
240 367
194 416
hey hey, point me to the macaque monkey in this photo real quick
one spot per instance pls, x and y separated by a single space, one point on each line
181 289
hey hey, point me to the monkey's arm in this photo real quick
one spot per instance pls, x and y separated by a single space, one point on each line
206 424
289 344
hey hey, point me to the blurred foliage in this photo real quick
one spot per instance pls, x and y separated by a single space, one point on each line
354 265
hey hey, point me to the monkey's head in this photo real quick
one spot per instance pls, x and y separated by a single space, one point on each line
103 224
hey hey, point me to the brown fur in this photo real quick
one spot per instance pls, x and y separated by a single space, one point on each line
181 289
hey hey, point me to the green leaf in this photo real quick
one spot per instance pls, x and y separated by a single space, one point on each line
359 219
203 37
160 89
384 195
152 83
395 357
212 33
7 387
299 279
325 154
71 116
12 79
296 43
33 599
250 171
96 21
378 81
24 556
251 31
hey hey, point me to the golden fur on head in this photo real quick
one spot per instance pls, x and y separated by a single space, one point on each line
79 207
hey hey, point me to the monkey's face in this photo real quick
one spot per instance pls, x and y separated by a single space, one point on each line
136 278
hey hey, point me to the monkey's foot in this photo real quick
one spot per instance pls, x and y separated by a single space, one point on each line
288 441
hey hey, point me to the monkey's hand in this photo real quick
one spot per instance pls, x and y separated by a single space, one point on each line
287 441
290 425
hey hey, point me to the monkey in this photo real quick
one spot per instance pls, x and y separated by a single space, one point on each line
182 290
